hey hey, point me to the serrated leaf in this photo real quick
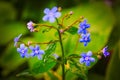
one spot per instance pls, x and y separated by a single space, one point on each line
41 66
51 48
72 30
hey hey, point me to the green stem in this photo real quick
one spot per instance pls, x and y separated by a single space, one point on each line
61 44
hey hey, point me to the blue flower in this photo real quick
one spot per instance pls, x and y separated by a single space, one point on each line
105 52
36 51
23 51
82 27
85 38
50 15
86 58
16 39
30 26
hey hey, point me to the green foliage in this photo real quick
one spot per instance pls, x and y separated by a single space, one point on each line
73 30
50 49
78 69
113 71
43 66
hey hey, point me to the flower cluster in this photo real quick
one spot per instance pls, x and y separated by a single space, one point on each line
86 58
23 50
51 15
85 36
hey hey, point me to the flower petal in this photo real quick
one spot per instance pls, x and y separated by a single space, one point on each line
46 11
81 60
92 59
46 18
31 47
89 53
39 57
54 9
41 51
87 63
22 46
52 19
83 55
57 14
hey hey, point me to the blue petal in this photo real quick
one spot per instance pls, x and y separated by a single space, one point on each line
52 19
41 51
89 53
22 46
32 54
31 47
46 18
92 59
87 63
39 57
22 55
85 43
54 9
57 14
46 11
27 55
18 49
37 47
81 60
83 55
81 40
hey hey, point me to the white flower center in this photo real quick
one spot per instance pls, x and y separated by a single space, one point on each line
36 51
51 14
86 58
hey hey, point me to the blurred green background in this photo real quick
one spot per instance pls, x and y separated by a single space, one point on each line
103 15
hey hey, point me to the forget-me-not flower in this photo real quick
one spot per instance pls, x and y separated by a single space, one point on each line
50 15
82 27
30 26
23 51
105 52
85 38
86 58
16 39
36 51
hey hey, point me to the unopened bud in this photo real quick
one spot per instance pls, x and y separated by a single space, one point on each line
59 9
29 43
71 12
99 56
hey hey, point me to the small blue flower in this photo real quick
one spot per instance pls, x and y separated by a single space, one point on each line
105 52
16 39
50 15
23 51
85 38
36 51
82 27
86 58
30 26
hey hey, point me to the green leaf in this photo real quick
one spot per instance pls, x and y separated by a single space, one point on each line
41 66
51 48
78 69
72 30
